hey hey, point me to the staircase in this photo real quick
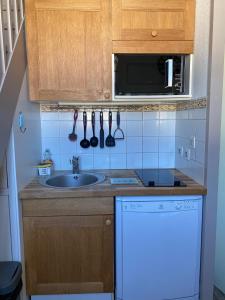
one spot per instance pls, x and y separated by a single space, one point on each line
12 65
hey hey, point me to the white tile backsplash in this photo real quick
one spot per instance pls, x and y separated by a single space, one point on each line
151 140
151 127
118 161
150 160
166 160
197 114
66 116
134 144
167 128
188 126
150 115
50 128
66 146
134 116
57 162
150 144
102 161
86 162
50 116
134 160
167 115
65 126
181 114
166 144
51 143
121 147
134 128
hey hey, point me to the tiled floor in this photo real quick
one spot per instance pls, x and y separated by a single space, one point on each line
218 295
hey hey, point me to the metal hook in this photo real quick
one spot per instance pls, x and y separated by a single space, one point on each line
22 123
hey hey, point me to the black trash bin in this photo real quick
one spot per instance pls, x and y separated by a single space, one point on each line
10 280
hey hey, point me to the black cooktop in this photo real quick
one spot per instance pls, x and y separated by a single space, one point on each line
159 178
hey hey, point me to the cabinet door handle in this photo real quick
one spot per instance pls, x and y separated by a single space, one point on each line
154 33
106 95
108 222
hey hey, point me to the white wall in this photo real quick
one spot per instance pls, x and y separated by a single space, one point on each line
10 91
5 236
149 141
23 154
216 73
201 49
220 236
27 145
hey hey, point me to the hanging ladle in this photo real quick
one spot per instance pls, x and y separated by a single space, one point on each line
85 143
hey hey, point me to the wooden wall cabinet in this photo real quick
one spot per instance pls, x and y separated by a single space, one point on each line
70 42
69 49
153 26
68 254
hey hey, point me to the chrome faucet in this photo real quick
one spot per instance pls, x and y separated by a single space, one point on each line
75 164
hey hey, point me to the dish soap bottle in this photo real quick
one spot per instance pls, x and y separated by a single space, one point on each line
47 157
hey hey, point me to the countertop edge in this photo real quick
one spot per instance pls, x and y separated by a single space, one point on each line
36 191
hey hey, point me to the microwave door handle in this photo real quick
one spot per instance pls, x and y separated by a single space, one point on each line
169 63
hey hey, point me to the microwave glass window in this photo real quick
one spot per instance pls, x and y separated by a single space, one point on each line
149 74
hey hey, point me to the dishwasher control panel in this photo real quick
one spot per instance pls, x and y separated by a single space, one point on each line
160 206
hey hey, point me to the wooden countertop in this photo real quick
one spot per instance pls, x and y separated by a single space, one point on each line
37 191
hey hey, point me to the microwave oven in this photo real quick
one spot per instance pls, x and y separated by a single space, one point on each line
152 76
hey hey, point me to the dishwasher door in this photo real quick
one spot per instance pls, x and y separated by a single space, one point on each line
158 246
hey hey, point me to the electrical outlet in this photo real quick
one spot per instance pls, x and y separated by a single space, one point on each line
193 142
181 151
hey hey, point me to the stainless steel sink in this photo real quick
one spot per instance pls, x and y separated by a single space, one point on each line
72 180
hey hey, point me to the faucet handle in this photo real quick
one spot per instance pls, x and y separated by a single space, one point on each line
75 159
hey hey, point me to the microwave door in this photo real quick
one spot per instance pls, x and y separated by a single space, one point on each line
169 73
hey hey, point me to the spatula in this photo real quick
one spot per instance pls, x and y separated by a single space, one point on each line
110 141
102 139
94 139
85 142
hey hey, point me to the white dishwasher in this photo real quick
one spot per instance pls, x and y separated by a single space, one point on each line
158 245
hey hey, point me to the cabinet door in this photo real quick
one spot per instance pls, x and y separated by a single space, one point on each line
69 49
68 255
153 20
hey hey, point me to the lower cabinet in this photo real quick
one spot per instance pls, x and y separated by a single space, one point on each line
69 254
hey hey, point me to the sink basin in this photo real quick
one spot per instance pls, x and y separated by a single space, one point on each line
72 180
